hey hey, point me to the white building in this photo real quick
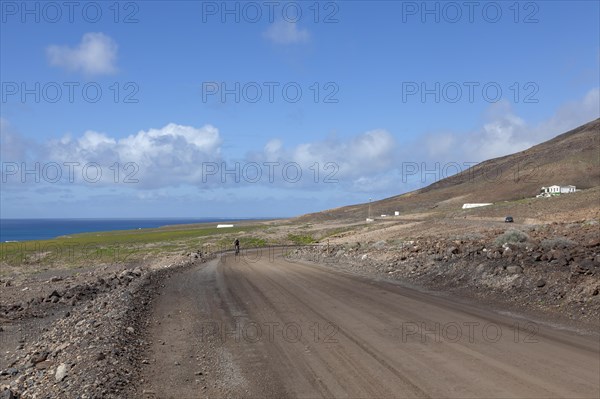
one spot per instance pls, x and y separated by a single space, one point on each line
556 190
469 206
567 189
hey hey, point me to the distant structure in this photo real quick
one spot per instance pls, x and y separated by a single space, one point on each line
224 226
468 206
555 190
396 213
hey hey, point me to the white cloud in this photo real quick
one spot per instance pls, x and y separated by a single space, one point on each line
383 182
353 161
570 115
284 32
13 147
440 144
173 155
273 149
505 133
93 141
172 144
95 55
168 156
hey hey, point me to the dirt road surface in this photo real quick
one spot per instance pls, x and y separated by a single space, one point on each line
260 326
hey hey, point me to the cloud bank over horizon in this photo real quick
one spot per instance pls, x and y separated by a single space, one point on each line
179 156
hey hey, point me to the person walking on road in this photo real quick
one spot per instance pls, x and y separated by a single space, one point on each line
236 244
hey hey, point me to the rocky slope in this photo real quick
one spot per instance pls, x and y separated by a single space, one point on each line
78 335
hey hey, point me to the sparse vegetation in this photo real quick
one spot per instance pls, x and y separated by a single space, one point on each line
512 236
301 239
226 243
336 232
470 237
591 222
117 246
557 243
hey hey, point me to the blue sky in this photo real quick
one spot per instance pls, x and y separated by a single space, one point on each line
346 93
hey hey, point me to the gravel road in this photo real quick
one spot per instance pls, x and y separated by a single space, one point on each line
261 326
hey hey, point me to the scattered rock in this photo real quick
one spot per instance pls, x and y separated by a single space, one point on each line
580 268
7 394
452 251
513 269
594 242
480 268
379 244
54 294
39 357
540 283
10 371
43 365
92 349
61 372
507 252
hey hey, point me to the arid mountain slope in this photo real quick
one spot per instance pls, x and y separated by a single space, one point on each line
570 158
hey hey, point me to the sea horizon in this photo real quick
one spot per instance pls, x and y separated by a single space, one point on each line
31 229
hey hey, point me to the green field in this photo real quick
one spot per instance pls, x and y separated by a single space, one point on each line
126 246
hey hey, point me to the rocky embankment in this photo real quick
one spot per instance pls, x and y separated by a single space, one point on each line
79 335
552 268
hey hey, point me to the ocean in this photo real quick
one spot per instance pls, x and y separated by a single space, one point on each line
42 229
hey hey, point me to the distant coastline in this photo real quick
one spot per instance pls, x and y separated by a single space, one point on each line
17 230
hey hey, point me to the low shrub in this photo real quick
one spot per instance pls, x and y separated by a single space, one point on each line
512 236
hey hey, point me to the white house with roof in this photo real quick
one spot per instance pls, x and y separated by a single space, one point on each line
556 190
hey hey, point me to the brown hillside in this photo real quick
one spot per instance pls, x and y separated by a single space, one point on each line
570 158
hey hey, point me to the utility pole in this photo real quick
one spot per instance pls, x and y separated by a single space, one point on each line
369 215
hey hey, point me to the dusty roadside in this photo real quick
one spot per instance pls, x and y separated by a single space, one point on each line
77 333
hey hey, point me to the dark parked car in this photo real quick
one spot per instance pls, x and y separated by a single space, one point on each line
508 219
